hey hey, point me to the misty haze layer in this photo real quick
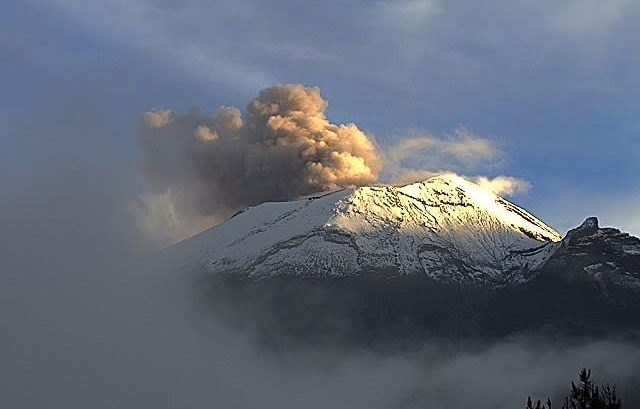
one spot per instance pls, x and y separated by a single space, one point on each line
87 323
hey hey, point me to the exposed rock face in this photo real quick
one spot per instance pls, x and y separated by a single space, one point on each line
587 228
607 256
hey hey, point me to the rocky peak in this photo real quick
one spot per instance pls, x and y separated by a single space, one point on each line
609 257
590 223
588 228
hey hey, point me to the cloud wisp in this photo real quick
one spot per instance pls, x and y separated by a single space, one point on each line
421 156
462 146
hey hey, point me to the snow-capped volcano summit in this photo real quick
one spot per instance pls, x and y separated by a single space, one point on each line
446 228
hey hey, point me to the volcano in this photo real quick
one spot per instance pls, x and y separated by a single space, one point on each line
441 256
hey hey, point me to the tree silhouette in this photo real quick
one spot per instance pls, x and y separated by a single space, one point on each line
585 395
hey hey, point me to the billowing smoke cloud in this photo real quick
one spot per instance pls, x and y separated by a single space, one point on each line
203 169
284 147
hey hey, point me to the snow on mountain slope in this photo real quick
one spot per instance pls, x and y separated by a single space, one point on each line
447 228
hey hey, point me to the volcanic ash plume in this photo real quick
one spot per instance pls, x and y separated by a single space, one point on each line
202 169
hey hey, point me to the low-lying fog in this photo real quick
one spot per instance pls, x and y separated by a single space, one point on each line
86 323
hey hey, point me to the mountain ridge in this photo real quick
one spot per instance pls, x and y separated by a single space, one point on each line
446 228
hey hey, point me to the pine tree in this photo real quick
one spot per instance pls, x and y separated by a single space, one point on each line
538 405
585 395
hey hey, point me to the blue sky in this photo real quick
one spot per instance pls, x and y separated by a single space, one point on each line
555 84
